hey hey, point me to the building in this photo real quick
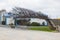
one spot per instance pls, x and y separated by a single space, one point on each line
9 18
19 16
2 18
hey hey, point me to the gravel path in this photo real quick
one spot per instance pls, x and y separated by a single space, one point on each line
16 34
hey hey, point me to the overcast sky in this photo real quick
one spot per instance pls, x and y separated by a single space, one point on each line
49 7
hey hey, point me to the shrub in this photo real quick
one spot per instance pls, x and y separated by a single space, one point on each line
35 24
12 25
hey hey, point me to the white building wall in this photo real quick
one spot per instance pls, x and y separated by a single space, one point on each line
38 20
2 16
9 20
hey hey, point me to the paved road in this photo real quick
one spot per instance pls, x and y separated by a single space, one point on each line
18 34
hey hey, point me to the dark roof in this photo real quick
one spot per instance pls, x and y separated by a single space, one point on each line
26 13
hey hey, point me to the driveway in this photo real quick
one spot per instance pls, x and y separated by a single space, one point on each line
18 34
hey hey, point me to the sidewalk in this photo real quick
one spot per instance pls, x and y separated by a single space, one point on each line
15 34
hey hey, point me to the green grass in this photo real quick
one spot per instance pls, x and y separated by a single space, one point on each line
41 28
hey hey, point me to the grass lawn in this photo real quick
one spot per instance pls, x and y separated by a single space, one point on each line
41 28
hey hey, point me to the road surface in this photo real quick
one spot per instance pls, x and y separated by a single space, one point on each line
18 34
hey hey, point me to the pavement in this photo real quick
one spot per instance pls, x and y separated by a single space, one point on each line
19 34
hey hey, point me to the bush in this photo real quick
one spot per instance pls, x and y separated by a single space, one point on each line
28 24
35 24
12 25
